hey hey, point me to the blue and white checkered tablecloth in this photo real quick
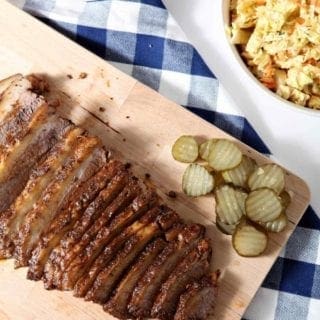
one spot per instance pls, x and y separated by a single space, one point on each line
143 40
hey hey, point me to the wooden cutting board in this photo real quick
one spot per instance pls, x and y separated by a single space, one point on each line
140 125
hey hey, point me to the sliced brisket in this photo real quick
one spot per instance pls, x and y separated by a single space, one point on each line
17 166
12 219
192 267
149 285
65 181
74 206
6 83
198 301
82 221
102 231
108 277
117 305
111 251
70 245
11 90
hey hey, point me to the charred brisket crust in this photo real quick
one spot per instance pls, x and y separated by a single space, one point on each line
6 243
117 305
42 174
71 243
149 285
199 299
19 174
176 229
17 124
109 276
168 218
11 90
192 267
7 83
123 234
82 262
103 285
76 203
40 217
106 233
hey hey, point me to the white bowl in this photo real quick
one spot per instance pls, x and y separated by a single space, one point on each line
283 102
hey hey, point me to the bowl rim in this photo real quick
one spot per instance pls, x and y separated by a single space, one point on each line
283 102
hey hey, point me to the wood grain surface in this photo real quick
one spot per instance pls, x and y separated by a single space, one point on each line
140 126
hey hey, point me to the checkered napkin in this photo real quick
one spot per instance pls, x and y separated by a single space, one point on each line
142 39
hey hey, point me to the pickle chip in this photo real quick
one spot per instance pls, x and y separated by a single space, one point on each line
205 149
197 181
229 204
263 205
225 228
276 225
267 176
285 199
249 240
185 149
224 155
241 197
238 176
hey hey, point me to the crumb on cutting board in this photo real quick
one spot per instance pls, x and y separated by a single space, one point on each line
171 194
83 75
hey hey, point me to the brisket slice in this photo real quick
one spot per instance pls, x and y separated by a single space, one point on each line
192 267
103 285
168 219
6 83
76 169
73 269
12 89
112 249
103 231
109 277
198 301
164 218
149 285
117 305
76 203
28 108
70 244
174 232
15 171
12 219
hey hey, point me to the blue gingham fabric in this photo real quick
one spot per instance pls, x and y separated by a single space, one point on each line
142 39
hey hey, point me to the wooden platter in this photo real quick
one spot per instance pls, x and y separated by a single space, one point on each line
140 126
